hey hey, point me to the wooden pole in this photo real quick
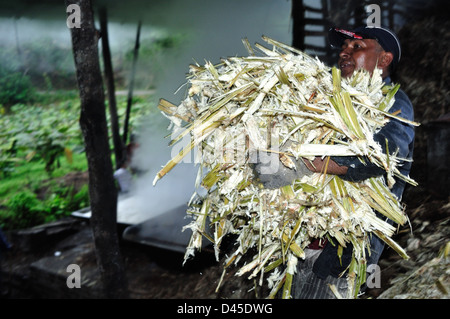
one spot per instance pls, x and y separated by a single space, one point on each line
298 29
130 90
119 149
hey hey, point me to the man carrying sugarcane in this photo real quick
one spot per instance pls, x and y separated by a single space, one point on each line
363 48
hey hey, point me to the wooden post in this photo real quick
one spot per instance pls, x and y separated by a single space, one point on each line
359 13
298 30
119 149
130 90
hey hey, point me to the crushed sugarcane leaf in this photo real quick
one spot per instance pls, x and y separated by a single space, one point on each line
288 105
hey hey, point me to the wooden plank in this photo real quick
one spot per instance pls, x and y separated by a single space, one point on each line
316 10
316 33
315 47
316 21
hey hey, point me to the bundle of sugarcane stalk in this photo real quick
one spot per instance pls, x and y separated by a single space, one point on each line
291 106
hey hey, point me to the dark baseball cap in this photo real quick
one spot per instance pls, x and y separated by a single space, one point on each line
385 37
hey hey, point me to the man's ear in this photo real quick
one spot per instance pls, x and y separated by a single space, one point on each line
385 59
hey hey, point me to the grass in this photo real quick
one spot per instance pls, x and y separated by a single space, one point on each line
55 199
30 176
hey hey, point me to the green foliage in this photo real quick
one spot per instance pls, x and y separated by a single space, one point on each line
25 210
80 199
15 87
63 201
31 132
50 144
8 157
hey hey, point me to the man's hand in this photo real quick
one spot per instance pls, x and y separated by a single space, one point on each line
276 170
326 165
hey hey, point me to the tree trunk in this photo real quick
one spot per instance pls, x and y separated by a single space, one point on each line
119 149
102 190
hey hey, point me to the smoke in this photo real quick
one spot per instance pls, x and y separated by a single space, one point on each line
152 153
215 30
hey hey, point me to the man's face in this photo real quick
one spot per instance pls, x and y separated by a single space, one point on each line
359 54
